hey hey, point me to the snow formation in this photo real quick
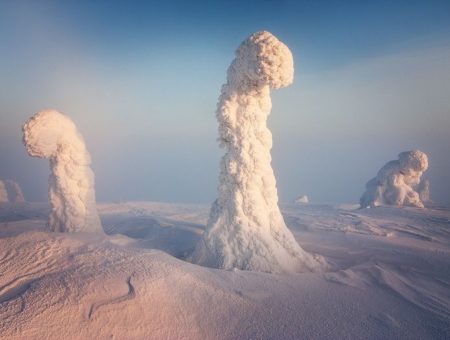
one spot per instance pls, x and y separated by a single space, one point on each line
51 134
302 199
397 182
245 229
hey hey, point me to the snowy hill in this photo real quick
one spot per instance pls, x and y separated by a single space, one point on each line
389 277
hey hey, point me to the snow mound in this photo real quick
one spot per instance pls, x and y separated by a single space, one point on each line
397 182
51 134
245 229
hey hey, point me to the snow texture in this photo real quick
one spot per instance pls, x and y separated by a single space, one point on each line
397 182
302 199
389 277
51 134
245 229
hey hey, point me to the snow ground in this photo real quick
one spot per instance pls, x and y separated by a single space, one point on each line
389 277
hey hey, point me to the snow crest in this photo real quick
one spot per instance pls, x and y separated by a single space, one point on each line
51 134
245 229
397 183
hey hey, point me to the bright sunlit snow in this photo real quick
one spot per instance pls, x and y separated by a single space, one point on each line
388 277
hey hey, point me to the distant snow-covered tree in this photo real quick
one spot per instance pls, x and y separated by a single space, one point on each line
397 182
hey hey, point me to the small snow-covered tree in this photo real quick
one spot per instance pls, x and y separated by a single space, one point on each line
246 229
397 181
51 134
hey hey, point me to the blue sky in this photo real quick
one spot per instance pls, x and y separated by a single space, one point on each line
141 80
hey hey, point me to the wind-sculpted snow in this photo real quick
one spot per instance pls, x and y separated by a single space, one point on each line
246 229
52 135
389 277
397 182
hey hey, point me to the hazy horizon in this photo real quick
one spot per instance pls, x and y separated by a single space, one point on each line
142 82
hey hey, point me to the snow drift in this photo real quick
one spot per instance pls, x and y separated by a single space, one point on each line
245 229
397 182
52 135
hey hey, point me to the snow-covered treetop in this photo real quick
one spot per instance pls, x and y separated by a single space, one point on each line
48 131
415 160
261 60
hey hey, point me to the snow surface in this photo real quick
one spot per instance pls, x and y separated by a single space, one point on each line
397 182
245 229
389 277
51 134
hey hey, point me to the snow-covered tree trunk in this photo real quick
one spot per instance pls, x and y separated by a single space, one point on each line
50 134
246 229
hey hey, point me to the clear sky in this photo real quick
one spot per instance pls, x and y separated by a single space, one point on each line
141 80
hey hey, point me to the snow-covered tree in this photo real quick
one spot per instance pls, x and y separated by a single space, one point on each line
246 229
396 183
51 134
